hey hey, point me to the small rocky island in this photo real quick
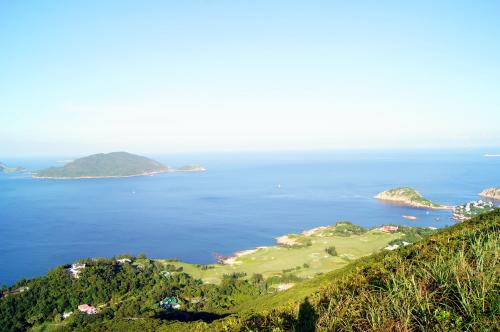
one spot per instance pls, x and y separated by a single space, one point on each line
493 193
6 169
110 165
189 168
409 197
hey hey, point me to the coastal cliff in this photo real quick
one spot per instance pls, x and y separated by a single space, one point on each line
409 197
493 193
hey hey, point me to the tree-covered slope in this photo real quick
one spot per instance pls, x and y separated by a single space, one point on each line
105 165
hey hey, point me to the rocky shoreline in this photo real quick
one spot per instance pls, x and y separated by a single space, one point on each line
34 176
172 170
493 193
404 200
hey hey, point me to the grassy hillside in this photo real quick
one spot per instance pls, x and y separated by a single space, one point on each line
303 256
105 165
447 282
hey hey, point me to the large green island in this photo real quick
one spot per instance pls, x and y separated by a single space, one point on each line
110 165
409 197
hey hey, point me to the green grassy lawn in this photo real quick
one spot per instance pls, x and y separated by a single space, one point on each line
304 261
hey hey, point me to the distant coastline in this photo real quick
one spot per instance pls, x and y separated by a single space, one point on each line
413 205
34 176
201 169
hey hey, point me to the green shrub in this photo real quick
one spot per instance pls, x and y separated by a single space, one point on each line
331 251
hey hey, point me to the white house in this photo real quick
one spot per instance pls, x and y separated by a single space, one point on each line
124 260
87 309
75 270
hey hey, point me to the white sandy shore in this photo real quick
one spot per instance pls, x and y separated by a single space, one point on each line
233 259
97 177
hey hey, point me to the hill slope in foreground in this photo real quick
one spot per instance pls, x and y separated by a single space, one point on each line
114 164
445 282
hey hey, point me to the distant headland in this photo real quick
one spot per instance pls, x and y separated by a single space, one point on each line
409 197
493 193
110 165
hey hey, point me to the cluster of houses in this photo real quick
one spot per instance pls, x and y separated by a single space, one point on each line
77 268
471 209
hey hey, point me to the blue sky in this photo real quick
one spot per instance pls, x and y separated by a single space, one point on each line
79 77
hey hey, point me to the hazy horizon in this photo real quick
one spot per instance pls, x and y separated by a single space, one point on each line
166 77
480 151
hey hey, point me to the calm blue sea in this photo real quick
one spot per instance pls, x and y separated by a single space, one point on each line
243 200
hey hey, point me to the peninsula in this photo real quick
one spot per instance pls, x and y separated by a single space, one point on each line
409 197
493 193
109 165
298 257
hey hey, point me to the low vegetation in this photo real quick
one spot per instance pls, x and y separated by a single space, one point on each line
331 251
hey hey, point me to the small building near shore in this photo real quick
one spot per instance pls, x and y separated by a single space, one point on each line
389 228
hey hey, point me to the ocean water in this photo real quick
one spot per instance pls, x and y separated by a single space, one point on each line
243 200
